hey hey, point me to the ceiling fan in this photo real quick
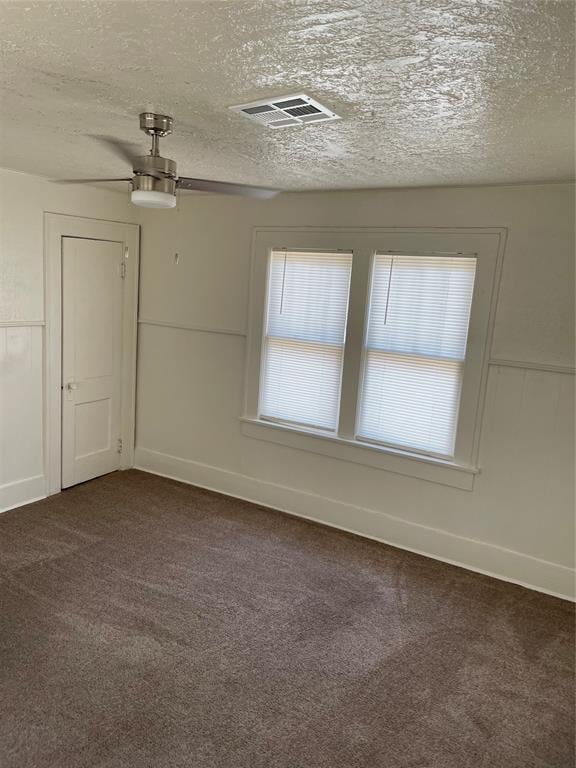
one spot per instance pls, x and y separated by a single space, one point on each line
155 178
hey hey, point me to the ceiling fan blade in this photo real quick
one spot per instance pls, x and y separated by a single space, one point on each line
225 188
84 181
122 149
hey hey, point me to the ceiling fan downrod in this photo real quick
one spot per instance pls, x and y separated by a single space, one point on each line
156 126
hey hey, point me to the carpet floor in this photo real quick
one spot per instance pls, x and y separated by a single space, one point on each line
149 624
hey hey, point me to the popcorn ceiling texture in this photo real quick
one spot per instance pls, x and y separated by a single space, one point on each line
431 91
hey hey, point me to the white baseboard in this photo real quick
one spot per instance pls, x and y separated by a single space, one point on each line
474 555
22 492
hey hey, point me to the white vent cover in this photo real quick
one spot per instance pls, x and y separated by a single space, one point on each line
286 111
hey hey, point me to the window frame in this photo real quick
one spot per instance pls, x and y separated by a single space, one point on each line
265 341
485 243
461 454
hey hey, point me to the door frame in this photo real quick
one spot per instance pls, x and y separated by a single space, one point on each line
56 227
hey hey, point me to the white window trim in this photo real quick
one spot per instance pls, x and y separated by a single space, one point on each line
487 244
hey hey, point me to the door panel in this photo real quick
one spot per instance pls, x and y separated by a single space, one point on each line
92 288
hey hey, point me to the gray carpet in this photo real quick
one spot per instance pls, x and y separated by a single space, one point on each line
148 624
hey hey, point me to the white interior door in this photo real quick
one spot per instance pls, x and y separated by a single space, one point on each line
92 288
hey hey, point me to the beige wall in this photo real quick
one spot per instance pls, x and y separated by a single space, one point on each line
23 201
518 520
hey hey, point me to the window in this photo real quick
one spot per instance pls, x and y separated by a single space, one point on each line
370 345
307 303
416 338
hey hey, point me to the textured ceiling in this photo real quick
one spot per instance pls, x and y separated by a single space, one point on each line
431 91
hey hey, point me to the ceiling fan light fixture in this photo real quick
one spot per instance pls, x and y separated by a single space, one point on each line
153 198
151 192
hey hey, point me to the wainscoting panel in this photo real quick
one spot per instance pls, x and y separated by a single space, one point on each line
21 413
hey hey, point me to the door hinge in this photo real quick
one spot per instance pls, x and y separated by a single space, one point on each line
122 270
119 445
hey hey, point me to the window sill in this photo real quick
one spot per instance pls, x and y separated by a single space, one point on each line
422 467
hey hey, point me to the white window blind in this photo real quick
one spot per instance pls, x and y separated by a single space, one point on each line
305 328
415 348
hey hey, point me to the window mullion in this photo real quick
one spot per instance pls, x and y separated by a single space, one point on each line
354 343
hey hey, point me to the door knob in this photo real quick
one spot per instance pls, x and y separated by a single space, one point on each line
70 386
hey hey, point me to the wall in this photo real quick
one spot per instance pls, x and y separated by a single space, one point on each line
23 201
516 523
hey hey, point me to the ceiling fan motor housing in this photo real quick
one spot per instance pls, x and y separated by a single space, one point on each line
153 173
155 165
143 183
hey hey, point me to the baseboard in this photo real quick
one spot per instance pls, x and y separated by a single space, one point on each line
474 555
22 492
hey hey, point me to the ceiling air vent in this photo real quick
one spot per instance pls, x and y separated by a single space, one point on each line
286 111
